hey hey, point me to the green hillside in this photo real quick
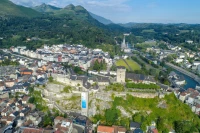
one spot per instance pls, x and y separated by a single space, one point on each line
71 10
46 8
7 8
72 24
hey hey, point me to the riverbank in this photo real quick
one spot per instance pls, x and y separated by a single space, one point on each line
185 72
190 82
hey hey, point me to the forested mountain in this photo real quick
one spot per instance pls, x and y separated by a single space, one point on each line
72 24
44 8
101 19
7 8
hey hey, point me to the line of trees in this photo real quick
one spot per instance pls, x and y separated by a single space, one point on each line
142 86
7 62
144 69
98 66
149 62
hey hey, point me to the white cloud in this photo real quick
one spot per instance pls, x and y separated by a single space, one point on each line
27 3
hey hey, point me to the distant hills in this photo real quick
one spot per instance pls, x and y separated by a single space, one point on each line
7 8
101 19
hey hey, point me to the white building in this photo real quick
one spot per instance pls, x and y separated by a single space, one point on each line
178 60
189 41
182 56
97 51
113 73
196 63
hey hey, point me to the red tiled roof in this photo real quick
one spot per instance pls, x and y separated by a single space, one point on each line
190 90
154 130
25 98
10 118
61 129
198 106
119 129
105 129
33 130
183 94
59 118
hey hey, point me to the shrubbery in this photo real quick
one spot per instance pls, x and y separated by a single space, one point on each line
142 86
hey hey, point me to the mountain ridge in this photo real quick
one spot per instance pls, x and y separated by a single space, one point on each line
72 24
8 8
44 8
101 19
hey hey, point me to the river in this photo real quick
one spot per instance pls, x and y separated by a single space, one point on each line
190 83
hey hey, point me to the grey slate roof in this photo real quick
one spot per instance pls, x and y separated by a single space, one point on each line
135 124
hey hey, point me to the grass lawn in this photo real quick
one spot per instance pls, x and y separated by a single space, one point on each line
57 82
130 62
133 64
122 63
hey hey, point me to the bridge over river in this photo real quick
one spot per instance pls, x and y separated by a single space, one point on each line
192 75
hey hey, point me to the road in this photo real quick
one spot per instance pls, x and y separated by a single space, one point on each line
195 77
77 129
19 55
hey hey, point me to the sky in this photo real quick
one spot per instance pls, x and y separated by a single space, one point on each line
142 11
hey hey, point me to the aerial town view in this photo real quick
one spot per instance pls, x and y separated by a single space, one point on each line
65 69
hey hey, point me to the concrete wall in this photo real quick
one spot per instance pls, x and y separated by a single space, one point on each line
107 96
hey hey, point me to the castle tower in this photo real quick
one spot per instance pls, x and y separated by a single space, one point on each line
121 74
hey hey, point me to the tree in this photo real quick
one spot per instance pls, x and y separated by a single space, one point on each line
31 89
65 115
78 70
32 100
152 71
67 89
99 65
50 79
113 67
179 126
111 115
47 120
162 63
138 117
169 58
96 65
160 124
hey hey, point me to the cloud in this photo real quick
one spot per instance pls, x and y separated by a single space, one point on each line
117 4
28 3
